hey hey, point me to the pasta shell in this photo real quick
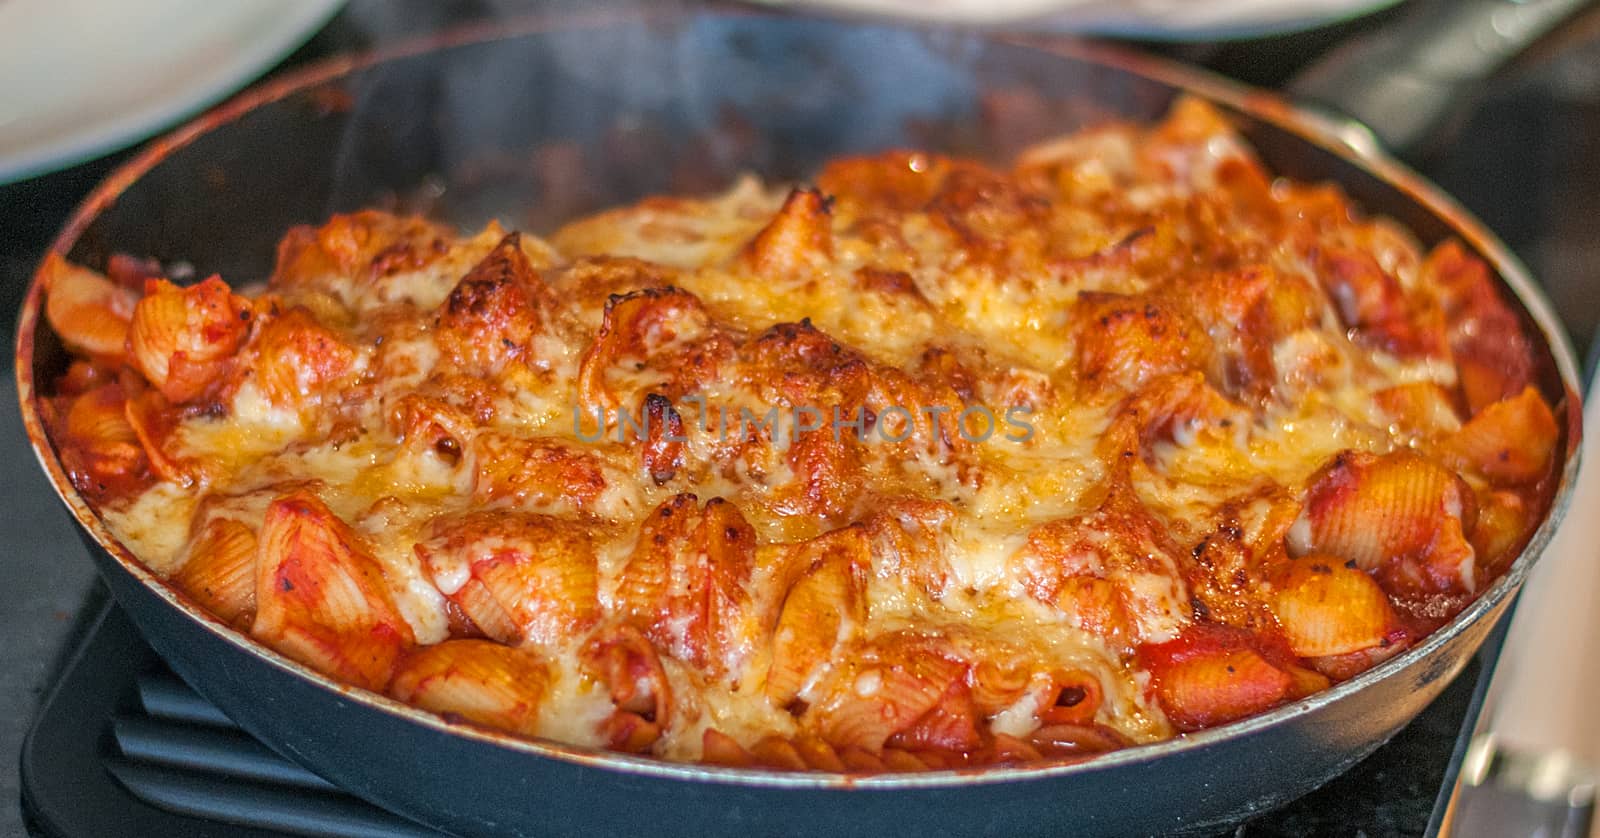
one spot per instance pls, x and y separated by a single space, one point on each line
82 376
1347 666
1306 681
897 180
320 599
1094 605
97 420
886 689
480 606
1175 408
634 326
830 476
908 537
684 585
88 311
219 571
98 447
1098 566
951 725
535 473
643 587
482 682
663 449
181 338
492 315
794 241
1510 441
157 330
1396 514
625 662
154 420
1125 341
1494 359
435 439
718 748
295 361
521 578
1420 406
823 607
1209 690
1326 608
1504 521
1211 674
355 246
551 597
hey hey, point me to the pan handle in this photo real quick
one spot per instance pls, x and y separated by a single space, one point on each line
1408 78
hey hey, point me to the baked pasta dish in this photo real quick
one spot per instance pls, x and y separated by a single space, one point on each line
926 464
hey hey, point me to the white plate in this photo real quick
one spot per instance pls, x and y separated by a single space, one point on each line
1161 19
80 78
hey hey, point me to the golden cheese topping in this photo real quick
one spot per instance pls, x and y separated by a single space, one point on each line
925 464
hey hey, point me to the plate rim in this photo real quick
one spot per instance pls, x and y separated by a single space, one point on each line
300 20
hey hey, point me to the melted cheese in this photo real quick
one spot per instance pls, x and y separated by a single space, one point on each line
987 275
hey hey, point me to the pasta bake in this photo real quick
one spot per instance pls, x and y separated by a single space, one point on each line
928 463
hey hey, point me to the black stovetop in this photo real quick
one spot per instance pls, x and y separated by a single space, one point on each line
120 746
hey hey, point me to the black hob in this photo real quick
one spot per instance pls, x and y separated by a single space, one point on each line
120 746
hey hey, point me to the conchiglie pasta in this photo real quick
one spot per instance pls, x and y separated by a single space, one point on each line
1397 514
823 607
1510 441
636 325
631 671
684 585
886 689
219 569
796 242
1422 407
1221 686
104 453
1328 607
491 317
181 338
479 681
520 578
294 362
536 473
88 311
1505 520
1127 340
951 725
321 598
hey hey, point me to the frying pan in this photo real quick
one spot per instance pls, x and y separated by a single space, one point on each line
538 122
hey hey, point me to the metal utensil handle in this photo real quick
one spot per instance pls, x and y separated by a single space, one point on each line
1407 79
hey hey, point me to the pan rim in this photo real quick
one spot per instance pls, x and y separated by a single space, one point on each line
1347 140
